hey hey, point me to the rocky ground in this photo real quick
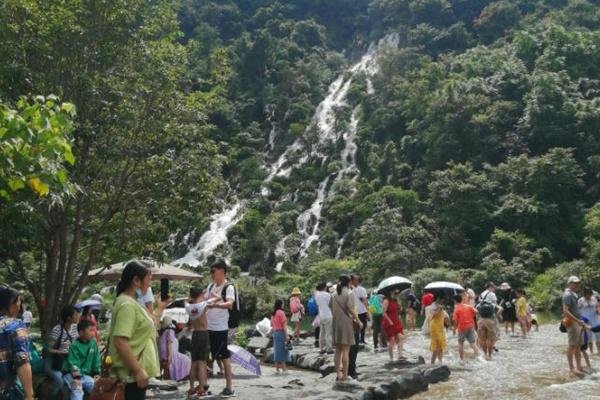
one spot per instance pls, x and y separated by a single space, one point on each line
310 378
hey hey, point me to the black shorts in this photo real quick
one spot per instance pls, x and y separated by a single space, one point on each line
218 345
200 346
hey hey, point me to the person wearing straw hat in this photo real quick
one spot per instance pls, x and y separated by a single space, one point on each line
297 310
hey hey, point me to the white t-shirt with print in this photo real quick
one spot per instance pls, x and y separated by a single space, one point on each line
323 299
218 318
360 293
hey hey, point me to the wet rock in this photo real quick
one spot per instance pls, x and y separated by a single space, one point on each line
327 369
311 361
436 374
348 387
259 344
407 384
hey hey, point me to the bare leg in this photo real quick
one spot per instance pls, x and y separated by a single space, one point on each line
337 362
345 361
586 358
400 342
193 374
228 373
202 373
461 350
391 343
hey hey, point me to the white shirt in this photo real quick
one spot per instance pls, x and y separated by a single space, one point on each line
27 317
323 299
488 296
218 318
361 294
146 298
196 310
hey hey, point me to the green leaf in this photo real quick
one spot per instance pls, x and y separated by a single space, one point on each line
16 184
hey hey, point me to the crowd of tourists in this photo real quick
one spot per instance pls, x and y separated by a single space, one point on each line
141 345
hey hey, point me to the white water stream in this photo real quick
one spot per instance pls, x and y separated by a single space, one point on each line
325 120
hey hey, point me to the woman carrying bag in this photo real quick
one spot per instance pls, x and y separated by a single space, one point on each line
132 334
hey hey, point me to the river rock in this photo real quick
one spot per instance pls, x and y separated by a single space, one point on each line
436 374
407 384
259 343
327 369
311 361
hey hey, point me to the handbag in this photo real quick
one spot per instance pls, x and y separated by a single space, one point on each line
109 388
106 388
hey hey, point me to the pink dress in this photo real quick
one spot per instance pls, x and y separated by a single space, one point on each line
179 368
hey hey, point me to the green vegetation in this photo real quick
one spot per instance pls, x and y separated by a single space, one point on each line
477 149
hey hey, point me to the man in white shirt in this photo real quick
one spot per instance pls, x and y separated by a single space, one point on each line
362 303
323 299
27 317
218 320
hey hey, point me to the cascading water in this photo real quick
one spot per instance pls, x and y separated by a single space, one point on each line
325 120
214 237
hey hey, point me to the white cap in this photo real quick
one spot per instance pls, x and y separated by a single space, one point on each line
573 279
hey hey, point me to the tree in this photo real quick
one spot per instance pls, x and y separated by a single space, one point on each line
145 167
35 144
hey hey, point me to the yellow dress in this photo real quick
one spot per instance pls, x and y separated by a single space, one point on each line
437 332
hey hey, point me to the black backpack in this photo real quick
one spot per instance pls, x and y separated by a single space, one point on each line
234 312
485 308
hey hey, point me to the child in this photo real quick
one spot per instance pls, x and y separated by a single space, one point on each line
464 322
82 366
196 310
522 312
436 329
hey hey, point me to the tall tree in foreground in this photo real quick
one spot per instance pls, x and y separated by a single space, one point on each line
144 165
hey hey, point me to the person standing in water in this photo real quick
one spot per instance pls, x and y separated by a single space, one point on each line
437 332
574 325
588 307
464 322
394 331
521 307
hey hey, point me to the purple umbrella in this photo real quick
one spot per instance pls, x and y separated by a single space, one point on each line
244 359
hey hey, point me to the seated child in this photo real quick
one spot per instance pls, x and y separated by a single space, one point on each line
82 365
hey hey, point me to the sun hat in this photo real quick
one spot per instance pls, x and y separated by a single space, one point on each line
573 279
296 291
504 286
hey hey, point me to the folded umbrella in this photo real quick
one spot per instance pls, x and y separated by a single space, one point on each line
244 359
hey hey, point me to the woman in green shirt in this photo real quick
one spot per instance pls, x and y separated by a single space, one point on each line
133 334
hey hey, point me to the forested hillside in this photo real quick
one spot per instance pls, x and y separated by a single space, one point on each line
458 139
477 146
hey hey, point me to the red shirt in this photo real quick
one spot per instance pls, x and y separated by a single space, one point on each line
427 299
464 316
278 321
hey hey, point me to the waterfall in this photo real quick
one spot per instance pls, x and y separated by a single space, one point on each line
325 120
214 237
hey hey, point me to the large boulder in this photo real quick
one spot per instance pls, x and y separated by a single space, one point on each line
406 384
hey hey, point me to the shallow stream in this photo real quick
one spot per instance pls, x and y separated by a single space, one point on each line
528 369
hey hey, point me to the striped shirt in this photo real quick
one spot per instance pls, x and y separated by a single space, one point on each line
65 339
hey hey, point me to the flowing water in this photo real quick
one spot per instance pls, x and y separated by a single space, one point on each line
523 369
325 120
215 236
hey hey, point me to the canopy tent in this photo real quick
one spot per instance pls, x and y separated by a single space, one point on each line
159 271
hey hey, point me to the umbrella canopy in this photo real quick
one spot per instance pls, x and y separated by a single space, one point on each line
159 271
244 359
448 288
393 283
95 304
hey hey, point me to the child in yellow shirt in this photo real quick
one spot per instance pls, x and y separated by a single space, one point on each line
522 311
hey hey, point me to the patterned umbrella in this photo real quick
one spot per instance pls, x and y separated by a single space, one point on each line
244 359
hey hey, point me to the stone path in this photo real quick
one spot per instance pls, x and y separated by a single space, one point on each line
379 379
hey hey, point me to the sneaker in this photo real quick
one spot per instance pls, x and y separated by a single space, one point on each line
227 393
